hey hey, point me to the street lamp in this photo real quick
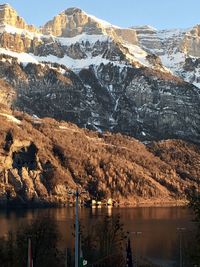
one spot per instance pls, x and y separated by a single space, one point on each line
180 230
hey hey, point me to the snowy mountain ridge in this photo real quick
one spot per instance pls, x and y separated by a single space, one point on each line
175 47
83 29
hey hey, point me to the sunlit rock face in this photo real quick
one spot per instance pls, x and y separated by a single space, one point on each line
191 42
9 16
15 34
147 37
127 35
72 22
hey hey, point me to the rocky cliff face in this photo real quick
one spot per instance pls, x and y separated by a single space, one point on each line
102 77
9 16
15 33
124 100
176 48
191 42
72 22
43 161
7 94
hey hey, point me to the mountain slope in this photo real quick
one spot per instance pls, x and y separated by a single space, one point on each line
44 160
98 76
126 100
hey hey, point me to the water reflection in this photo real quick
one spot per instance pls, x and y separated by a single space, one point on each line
109 211
158 241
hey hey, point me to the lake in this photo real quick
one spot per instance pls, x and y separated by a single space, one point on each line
158 237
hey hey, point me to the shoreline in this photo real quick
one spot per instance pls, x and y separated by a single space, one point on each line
144 204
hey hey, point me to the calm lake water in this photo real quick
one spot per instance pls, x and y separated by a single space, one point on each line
159 238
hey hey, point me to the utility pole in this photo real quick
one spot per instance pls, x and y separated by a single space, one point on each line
66 254
77 232
137 234
180 230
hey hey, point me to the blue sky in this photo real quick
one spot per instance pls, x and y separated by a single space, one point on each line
161 14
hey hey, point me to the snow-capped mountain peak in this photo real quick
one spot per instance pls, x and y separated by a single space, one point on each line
77 39
73 21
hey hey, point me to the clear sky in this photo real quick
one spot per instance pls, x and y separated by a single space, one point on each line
160 14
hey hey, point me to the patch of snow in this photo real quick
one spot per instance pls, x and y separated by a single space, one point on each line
116 104
97 123
77 64
197 84
53 96
144 28
193 77
111 119
138 53
22 57
92 39
110 87
35 116
166 34
173 61
167 93
164 43
104 23
97 128
14 30
95 115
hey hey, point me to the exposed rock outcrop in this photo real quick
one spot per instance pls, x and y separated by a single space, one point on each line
175 48
191 42
136 102
7 94
72 22
8 15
